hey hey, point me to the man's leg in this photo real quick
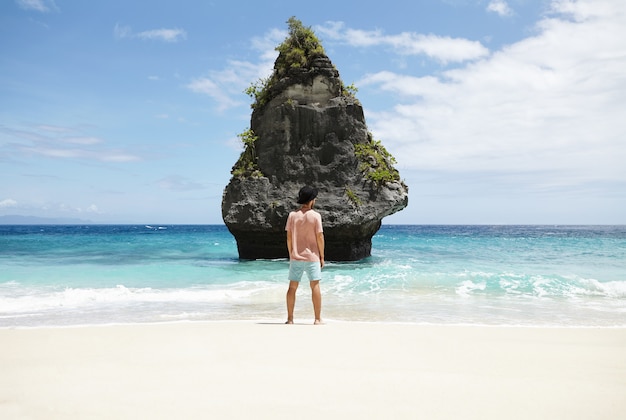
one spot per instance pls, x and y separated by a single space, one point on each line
316 296
291 300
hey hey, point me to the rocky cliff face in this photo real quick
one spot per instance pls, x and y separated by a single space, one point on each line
308 130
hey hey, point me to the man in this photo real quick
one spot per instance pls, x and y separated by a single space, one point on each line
305 242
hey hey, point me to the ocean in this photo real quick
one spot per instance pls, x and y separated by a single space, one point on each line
556 276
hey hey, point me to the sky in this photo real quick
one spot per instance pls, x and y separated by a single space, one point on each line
497 111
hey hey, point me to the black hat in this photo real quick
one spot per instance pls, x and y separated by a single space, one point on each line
306 194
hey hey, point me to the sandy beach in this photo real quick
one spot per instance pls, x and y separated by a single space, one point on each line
245 370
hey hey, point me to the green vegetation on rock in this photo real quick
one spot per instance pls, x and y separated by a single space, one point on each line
353 197
246 165
259 92
297 51
349 90
376 162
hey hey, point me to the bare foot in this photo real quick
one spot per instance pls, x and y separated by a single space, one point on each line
289 321
318 322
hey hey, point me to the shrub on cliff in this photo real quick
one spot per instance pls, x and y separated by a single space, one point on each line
296 52
376 162
247 164
298 49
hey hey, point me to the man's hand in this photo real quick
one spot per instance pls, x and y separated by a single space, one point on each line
320 247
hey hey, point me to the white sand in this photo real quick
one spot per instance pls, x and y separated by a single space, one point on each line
247 370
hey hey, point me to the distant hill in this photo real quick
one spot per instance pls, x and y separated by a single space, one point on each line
34 220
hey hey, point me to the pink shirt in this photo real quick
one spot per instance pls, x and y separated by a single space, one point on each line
304 227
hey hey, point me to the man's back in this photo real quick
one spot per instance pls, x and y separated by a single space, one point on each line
304 225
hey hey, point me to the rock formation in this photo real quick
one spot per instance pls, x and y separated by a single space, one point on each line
307 128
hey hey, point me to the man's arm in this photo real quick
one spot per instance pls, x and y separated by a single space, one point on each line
320 247
289 242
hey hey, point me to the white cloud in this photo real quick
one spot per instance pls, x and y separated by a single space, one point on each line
118 156
179 183
167 35
61 143
585 10
227 85
93 209
219 93
500 7
266 45
121 32
8 202
54 128
551 104
440 48
85 140
163 34
43 6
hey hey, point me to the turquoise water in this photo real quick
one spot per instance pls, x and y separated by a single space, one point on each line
478 275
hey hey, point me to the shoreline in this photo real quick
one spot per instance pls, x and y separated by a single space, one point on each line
276 321
265 369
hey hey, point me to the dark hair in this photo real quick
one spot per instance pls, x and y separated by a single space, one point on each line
306 194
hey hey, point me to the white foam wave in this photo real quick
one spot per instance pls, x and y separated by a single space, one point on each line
372 284
611 289
43 300
468 286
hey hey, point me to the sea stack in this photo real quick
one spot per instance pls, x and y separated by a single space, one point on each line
308 128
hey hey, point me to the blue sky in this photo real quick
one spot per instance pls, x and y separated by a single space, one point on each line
497 111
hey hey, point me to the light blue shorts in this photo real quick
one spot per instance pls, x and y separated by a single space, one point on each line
312 269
